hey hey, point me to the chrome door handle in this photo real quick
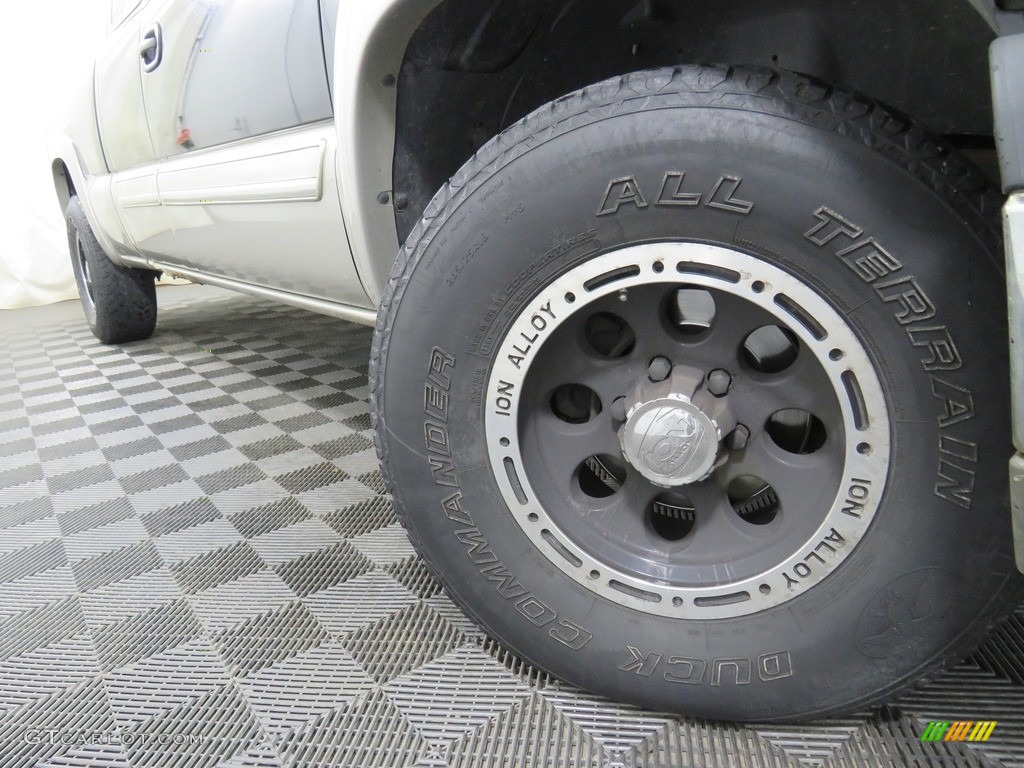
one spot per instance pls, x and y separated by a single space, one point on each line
151 51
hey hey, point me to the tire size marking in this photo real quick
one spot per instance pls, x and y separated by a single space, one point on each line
436 390
486 336
626 191
516 210
917 315
470 252
815 558
694 671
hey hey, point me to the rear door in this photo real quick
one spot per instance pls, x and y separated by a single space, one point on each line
240 120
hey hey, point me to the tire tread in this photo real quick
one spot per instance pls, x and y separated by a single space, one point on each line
125 298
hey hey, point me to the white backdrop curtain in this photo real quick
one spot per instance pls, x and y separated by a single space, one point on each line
45 52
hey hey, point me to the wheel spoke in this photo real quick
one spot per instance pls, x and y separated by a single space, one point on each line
619 523
565 362
789 473
803 385
565 447
608 380
642 312
807 386
624 522
717 536
735 320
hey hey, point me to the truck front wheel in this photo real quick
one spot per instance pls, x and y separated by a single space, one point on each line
691 389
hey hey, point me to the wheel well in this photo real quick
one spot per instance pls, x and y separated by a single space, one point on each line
472 69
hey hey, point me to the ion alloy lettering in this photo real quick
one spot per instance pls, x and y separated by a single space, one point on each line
856 500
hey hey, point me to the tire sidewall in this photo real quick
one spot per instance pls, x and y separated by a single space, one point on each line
926 568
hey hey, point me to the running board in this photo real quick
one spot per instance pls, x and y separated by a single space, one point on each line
324 307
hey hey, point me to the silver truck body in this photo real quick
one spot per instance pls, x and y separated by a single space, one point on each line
295 200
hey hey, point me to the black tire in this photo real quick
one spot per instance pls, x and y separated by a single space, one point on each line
580 179
119 302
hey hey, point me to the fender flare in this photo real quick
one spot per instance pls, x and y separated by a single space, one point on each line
368 55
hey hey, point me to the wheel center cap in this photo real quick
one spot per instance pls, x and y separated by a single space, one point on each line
670 441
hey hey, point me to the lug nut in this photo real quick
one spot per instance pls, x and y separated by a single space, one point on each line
738 438
719 381
619 409
659 369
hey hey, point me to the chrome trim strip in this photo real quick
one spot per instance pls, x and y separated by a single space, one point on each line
290 190
293 174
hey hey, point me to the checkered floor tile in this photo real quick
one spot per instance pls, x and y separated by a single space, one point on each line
198 568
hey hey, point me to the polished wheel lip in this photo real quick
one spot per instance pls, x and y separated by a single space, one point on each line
865 418
84 263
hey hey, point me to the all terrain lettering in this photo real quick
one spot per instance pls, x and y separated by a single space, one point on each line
935 346
626 191
956 477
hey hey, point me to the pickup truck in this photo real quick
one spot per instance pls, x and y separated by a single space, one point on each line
692 377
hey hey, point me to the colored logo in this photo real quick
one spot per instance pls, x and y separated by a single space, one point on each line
958 730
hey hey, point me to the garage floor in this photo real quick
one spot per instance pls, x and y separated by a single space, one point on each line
198 567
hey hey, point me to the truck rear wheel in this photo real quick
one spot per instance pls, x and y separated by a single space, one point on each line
119 302
691 389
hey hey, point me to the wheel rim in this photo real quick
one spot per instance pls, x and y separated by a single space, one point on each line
83 263
687 430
